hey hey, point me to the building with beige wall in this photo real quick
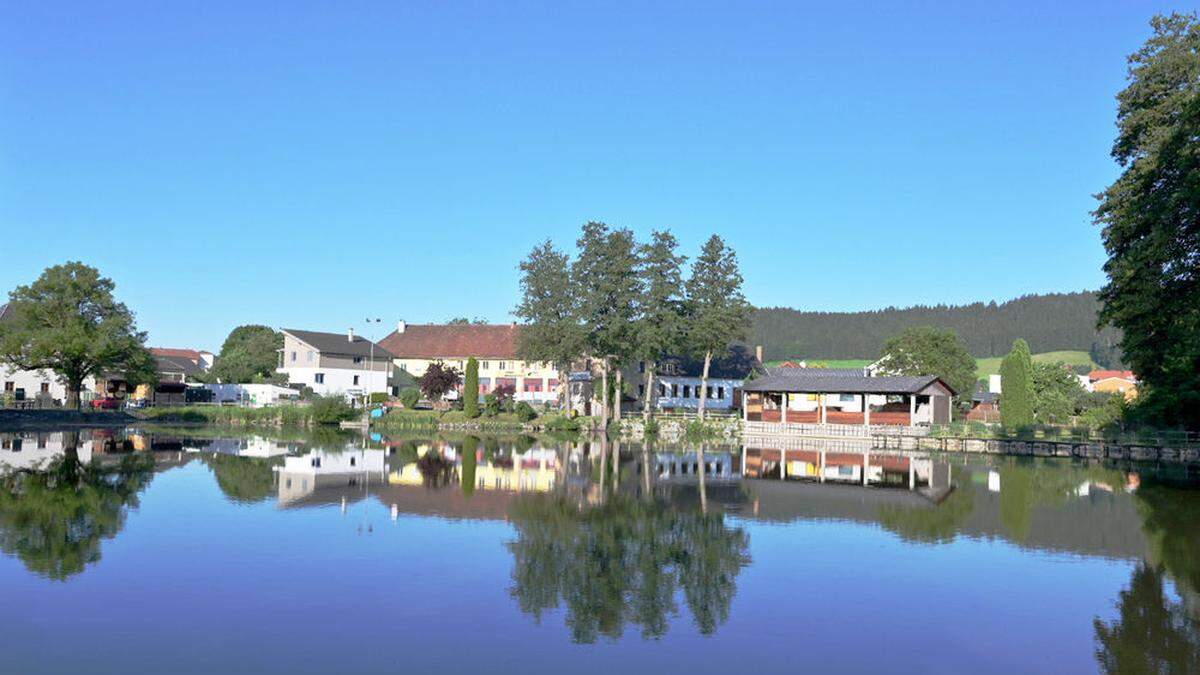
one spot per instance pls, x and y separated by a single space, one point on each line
416 346
336 363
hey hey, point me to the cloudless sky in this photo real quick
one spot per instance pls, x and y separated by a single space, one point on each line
313 164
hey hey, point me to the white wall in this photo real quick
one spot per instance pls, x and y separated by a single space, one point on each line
338 380
31 381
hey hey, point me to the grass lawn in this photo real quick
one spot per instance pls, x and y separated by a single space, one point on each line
985 367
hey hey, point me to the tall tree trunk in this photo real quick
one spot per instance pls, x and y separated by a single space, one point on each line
701 461
616 464
617 397
604 394
649 396
564 391
603 466
704 384
646 470
74 386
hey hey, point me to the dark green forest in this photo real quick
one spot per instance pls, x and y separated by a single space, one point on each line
1052 322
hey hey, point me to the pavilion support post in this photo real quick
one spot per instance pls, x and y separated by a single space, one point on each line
783 407
866 465
823 415
912 409
821 469
866 410
745 407
912 474
782 464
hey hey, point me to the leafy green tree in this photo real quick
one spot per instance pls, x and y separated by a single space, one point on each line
249 354
410 397
244 480
606 285
438 380
471 389
1151 634
68 322
718 313
925 350
1149 223
1016 387
660 324
1057 393
548 308
330 409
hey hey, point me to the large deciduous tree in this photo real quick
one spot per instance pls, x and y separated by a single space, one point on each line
926 350
249 354
68 322
551 330
660 325
718 314
438 380
1016 387
1151 221
606 285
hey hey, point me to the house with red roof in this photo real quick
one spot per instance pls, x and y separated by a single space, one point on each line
494 346
1114 382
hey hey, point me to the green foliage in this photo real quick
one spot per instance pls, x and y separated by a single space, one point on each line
470 450
249 354
605 282
438 380
1149 223
410 397
661 323
525 412
330 410
548 308
718 313
68 322
1016 386
244 480
561 423
378 397
925 350
492 403
650 427
1057 393
471 389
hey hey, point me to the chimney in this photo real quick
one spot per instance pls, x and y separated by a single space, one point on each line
350 335
401 325
758 353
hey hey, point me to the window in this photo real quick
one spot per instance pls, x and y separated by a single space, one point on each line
846 398
316 462
483 365
319 378
358 359
710 391
674 390
662 389
687 391
641 390
9 386
293 357
641 366
45 387
352 461
310 355
404 367
356 380
501 365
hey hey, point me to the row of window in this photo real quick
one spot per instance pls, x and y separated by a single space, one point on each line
714 393
10 387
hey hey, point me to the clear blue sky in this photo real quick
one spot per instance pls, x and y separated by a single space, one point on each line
312 165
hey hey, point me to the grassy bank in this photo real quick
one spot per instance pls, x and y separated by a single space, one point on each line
991 366
400 420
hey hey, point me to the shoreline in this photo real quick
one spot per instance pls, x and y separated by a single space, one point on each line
57 420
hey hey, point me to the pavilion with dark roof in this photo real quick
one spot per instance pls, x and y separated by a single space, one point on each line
846 396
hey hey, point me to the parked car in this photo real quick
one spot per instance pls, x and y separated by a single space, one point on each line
106 404
134 404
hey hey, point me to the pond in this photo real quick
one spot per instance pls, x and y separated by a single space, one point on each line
196 551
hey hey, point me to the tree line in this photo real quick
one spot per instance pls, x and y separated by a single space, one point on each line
1051 322
620 301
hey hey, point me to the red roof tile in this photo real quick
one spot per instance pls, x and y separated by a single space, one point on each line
1097 375
433 341
189 354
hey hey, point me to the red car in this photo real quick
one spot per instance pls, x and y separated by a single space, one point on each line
106 404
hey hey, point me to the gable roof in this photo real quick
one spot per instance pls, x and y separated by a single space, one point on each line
338 343
804 380
738 364
441 341
192 355
1097 375
167 364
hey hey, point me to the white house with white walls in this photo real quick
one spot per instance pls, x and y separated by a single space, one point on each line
336 363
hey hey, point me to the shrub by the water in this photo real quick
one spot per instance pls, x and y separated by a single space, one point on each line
330 410
525 412
471 389
410 397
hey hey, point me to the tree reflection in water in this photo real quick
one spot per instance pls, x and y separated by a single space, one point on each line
1153 633
622 562
54 519
245 480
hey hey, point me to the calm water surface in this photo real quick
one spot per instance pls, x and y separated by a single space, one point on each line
189 552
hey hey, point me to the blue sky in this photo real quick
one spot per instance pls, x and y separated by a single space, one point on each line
311 165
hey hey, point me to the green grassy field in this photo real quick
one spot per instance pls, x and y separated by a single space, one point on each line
983 367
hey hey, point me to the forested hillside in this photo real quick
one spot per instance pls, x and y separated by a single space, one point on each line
1057 321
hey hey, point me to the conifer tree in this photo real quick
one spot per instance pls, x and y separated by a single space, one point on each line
1016 387
471 389
718 314
660 324
548 308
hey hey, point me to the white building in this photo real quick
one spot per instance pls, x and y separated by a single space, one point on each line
336 364
252 395
302 475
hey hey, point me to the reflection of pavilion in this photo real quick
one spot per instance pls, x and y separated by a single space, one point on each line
869 467
309 478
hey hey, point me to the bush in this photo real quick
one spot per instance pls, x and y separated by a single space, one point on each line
650 428
410 397
330 410
378 397
525 412
471 389
491 404
561 423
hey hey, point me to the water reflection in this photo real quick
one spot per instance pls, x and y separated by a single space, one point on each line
610 537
